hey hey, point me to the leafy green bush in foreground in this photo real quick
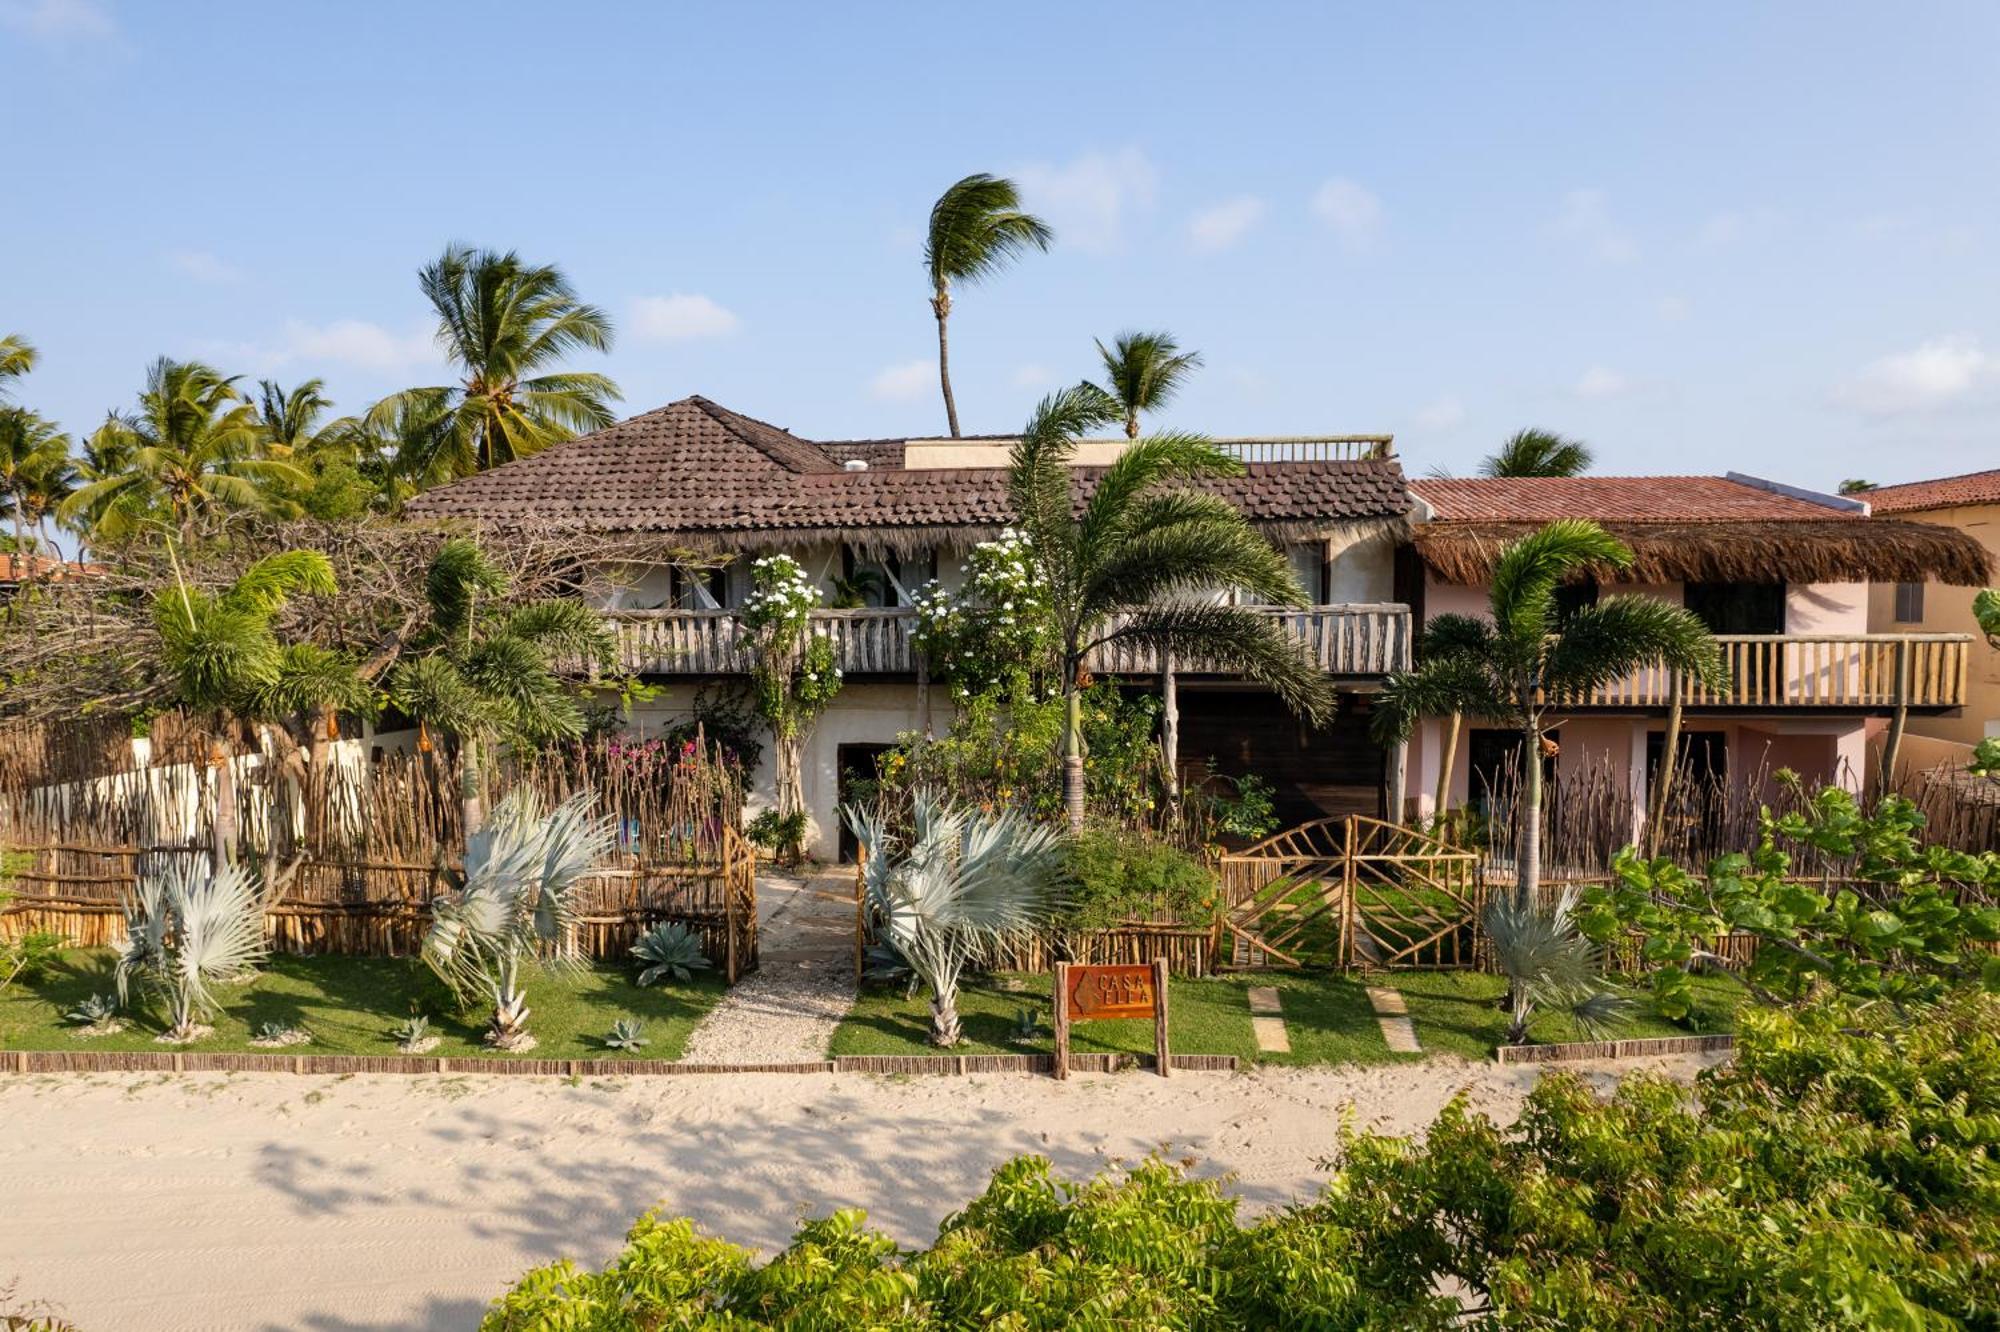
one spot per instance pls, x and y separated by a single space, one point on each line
1823 1180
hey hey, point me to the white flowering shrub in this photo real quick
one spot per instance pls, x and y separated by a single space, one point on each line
782 596
994 632
796 672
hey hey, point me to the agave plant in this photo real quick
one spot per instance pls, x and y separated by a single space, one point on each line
672 950
187 930
626 1034
414 1036
278 1033
96 1011
1549 966
521 873
964 883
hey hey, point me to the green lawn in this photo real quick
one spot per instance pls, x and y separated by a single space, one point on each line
1457 1012
1327 1018
350 1004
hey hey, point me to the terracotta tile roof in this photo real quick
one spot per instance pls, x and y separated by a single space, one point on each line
1664 499
16 568
1946 492
698 470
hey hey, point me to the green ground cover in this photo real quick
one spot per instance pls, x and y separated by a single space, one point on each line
1327 1018
349 1005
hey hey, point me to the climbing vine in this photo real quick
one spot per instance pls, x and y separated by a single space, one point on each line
796 675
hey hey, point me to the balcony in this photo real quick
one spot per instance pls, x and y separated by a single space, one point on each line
1852 672
1352 640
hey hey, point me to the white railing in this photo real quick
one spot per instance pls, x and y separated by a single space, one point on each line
1309 448
1371 639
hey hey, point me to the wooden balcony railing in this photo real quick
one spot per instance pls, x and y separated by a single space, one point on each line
1369 639
1870 671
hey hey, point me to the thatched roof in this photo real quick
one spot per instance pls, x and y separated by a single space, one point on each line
1830 550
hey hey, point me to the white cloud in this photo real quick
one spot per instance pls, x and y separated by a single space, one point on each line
353 344
1226 223
1603 382
1447 413
1087 200
904 382
59 22
681 316
204 267
1033 376
1937 374
1673 309
1351 209
1585 219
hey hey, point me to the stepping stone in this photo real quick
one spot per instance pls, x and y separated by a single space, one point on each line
1271 1035
1264 999
1392 1015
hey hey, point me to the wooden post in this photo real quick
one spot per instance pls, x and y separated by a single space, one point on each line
924 694
1062 1021
1893 747
729 918
1170 722
1399 762
1663 780
1447 756
1160 1053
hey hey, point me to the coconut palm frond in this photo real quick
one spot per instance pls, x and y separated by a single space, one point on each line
1618 635
977 227
1534 452
1235 639
1195 556
265 587
311 679
459 575
1528 572
432 689
1440 686
1455 635
1143 371
1141 469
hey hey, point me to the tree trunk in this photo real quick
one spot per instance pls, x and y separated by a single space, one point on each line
1131 425
21 550
941 306
1529 866
1170 723
1441 803
1663 780
1073 756
224 829
946 1031
472 809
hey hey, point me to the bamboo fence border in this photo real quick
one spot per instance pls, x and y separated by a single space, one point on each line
148 1061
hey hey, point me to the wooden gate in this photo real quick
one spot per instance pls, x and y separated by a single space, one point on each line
1351 892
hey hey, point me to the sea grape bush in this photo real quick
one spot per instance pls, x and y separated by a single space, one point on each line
1913 923
1825 1179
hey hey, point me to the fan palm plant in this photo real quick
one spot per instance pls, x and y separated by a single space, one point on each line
1535 452
193 447
977 228
1529 661
521 873
963 884
507 325
1549 966
188 929
1142 561
481 670
1142 372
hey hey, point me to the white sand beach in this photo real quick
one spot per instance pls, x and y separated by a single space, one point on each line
281 1202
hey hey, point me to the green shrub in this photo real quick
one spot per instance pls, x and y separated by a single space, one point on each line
1114 874
1826 1179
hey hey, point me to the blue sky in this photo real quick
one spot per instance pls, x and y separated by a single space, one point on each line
1699 237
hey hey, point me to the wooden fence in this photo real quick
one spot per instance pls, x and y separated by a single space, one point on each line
354 853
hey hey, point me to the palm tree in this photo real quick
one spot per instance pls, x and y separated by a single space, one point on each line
17 358
292 423
480 670
977 228
1534 452
193 447
521 874
1549 964
221 656
1143 560
34 464
1450 648
1142 372
506 324
189 928
1529 661
963 884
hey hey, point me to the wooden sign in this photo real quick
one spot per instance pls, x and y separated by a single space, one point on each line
1088 993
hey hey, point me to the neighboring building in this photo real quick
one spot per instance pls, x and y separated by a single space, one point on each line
696 477
1780 575
1970 504
18 569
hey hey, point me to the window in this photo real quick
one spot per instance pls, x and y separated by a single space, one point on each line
881 580
1739 608
698 589
1493 767
1909 603
1573 597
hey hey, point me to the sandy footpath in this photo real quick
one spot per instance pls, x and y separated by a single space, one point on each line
279 1202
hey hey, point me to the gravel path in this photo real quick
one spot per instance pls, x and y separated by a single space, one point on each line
804 983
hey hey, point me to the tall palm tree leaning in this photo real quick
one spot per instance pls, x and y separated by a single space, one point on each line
193 447
1528 662
507 325
977 228
1142 372
1143 560
34 467
1535 452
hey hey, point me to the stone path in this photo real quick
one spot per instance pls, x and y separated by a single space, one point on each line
1265 1020
1392 1015
804 983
